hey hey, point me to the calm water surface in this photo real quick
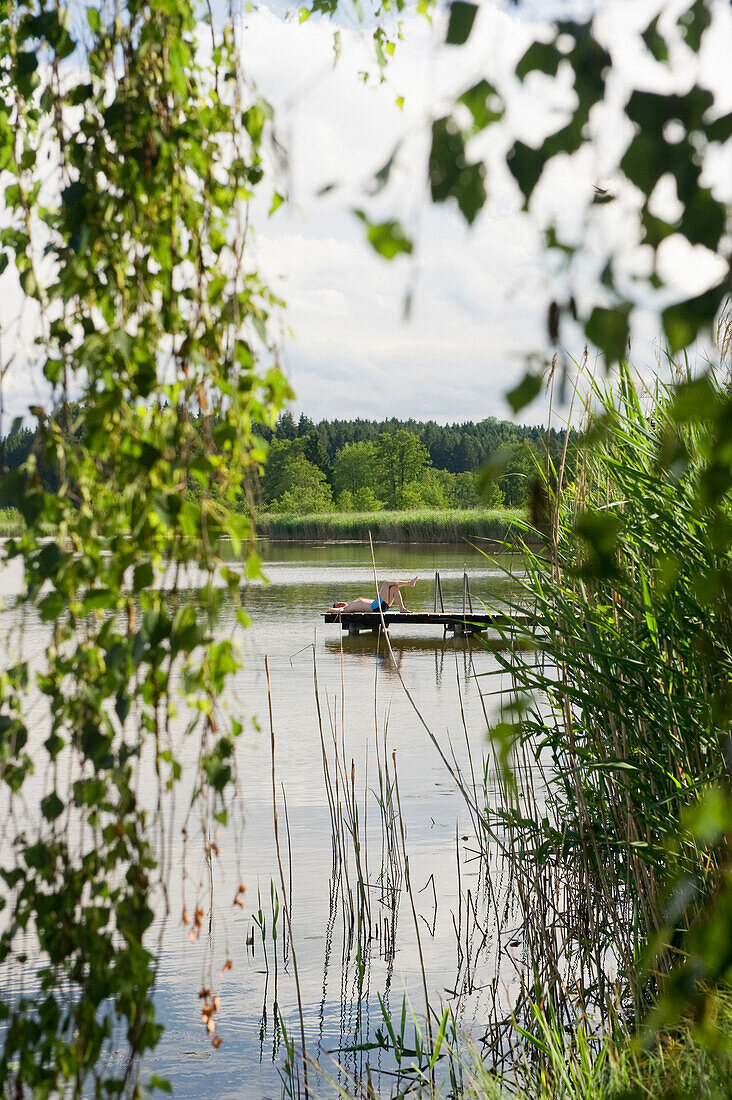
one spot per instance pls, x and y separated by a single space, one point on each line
366 713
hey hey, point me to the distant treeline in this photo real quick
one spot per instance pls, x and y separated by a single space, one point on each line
454 447
366 465
15 448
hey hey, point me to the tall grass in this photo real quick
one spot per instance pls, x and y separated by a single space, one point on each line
424 525
11 522
614 722
556 1063
497 524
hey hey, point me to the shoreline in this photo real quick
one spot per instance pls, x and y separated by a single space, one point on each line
423 526
495 525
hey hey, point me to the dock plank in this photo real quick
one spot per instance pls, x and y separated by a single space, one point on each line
456 621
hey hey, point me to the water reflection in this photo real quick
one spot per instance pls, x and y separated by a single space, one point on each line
388 657
345 736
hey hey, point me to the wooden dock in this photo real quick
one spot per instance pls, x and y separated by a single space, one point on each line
465 621
454 622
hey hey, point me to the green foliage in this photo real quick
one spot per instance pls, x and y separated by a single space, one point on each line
511 472
462 17
440 489
395 469
291 482
362 500
351 465
491 495
152 319
344 502
356 467
465 492
386 238
366 500
432 490
402 459
636 597
524 393
437 488
313 496
454 447
11 521
452 175
634 605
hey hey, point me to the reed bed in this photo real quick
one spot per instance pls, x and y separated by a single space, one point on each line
11 522
557 1063
496 525
407 1048
616 715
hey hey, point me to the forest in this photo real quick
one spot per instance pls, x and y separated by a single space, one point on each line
364 465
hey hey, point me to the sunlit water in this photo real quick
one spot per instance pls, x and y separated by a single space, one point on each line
363 701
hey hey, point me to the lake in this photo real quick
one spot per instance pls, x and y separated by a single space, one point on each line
342 852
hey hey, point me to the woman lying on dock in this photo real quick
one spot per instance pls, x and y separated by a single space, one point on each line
388 593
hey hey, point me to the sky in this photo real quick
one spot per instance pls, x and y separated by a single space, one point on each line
478 295
354 351
441 334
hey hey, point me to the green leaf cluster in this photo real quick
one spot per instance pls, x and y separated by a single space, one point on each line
153 331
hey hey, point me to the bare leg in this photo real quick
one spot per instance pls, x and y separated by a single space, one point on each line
390 593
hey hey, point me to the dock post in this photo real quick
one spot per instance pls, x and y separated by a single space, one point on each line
438 590
352 628
466 593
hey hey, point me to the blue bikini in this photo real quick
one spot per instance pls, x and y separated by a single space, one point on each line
375 605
